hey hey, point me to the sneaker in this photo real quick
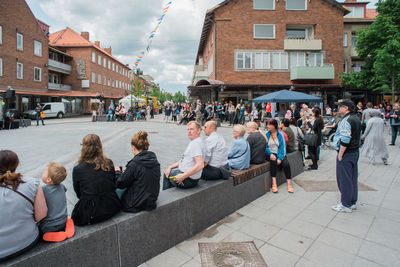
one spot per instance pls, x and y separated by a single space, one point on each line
274 188
391 144
340 208
353 207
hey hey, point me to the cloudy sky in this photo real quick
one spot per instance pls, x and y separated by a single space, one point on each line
125 25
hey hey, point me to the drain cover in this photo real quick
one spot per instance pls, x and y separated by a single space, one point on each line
328 186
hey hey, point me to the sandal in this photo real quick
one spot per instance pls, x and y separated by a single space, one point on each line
274 188
290 189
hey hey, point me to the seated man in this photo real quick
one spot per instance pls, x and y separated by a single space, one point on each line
239 155
185 173
216 158
332 122
285 126
257 143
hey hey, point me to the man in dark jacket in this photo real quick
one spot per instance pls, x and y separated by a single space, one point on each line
257 143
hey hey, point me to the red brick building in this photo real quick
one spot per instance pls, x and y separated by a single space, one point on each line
249 48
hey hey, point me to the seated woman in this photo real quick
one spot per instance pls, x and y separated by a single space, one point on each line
276 154
22 205
192 115
239 155
94 184
185 117
141 179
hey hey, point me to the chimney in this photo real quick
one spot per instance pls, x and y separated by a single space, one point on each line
85 35
97 43
108 50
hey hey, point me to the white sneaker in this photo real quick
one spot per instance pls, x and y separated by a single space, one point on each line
353 207
340 208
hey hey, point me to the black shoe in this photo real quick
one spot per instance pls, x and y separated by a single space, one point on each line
308 157
312 168
391 144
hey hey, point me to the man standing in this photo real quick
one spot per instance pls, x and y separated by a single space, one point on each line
366 115
347 141
198 111
216 158
38 110
231 111
185 173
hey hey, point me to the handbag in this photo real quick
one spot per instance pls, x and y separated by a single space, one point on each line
42 115
300 141
311 139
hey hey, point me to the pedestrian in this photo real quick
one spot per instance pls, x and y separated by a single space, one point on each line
347 141
394 116
39 111
374 143
316 125
198 111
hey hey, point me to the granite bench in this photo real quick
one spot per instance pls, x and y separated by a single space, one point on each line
131 239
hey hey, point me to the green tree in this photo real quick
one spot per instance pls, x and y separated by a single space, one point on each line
379 46
179 97
137 87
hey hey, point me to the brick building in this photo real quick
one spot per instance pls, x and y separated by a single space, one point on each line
250 48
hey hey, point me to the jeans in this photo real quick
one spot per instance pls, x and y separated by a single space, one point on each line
109 117
187 183
120 192
211 173
39 118
347 178
395 132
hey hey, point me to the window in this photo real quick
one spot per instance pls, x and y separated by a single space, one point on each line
93 57
356 12
315 59
53 78
99 79
93 77
345 66
210 65
109 82
113 67
20 42
279 61
296 4
357 66
264 31
1 67
297 59
20 71
120 84
37 74
262 61
113 83
264 4
243 60
1 34
109 65
353 40
99 60
37 51
295 33
104 63
344 39
116 68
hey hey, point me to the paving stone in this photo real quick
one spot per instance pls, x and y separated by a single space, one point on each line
348 226
303 228
259 230
360 262
242 237
379 254
291 242
192 263
340 240
170 258
274 256
328 256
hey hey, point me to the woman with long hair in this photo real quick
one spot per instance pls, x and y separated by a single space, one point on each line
22 205
276 154
94 184
141 179
316 126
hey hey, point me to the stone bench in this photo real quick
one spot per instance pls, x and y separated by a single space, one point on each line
131 239
241 176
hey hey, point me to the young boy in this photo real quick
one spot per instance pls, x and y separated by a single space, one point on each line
54 193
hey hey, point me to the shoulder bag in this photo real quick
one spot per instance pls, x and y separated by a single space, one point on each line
311 139
300 141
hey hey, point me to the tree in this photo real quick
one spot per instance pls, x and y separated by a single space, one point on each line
137 87
179 97
379 46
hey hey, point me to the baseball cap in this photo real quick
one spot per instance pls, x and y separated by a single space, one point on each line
335 110
347 103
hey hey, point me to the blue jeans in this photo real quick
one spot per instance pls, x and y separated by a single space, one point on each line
395 132
109 117
187 183
120 192
347 178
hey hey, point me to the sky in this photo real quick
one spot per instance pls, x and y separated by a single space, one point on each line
125 26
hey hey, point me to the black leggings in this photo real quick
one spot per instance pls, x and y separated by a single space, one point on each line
312 150
284 164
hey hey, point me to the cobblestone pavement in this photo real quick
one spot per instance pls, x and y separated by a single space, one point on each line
297 229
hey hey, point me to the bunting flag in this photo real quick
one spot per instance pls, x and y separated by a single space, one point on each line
150 38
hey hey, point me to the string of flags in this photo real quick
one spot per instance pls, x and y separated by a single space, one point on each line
151 37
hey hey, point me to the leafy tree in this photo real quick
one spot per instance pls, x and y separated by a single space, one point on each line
137 87
379 46
179 97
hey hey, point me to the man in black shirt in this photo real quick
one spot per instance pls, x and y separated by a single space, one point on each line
257 143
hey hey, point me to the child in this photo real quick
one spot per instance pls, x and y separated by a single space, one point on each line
54 193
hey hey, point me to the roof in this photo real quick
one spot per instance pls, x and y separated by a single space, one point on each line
210 14
287 96
70 38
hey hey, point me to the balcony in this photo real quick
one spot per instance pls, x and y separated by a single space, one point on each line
326 72
59 87
353 52
302 44
59 67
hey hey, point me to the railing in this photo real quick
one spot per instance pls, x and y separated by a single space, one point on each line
60 67
60 87
302 44
325 72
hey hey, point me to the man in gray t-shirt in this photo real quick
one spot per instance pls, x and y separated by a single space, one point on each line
186 172
366 114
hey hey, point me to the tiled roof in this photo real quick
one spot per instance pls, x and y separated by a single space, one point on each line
70 38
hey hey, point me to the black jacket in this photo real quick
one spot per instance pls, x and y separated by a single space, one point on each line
317 128
257 148
142 180
96 192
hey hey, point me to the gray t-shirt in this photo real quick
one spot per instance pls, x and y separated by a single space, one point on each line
366 113
195 148
56 206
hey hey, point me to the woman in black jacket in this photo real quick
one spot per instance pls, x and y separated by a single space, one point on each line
141 177
94 184
316 126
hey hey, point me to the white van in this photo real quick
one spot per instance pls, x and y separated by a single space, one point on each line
51 110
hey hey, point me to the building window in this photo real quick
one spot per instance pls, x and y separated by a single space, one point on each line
53 78
297 59
113 83
315 59
344 39
104 63
1 67
357 66
262 61
353 40
356 12
264 4
116 68
113 67
99 60
20 42
37 48
243 60
99 78
120 84
20 71
93 57
109 65
109 82
1 34
279 61
296 4
264 31
93 77
345 66
210 65
37 75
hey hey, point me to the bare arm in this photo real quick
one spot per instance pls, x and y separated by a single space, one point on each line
341 152
173 166
39 205
195 169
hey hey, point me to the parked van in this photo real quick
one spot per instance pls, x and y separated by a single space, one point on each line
51 110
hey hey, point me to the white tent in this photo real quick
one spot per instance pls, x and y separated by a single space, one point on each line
129 100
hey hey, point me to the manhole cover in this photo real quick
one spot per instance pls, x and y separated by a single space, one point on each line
231 254
328 186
